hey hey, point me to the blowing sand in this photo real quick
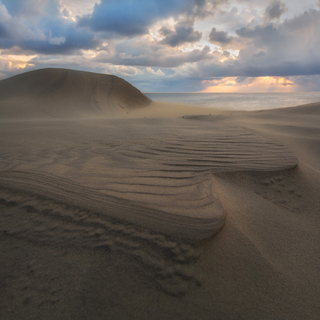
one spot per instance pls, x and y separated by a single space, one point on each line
116 207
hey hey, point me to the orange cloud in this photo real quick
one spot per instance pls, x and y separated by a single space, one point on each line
16 61
248 85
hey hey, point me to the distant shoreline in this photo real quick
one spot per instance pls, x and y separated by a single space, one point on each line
238 101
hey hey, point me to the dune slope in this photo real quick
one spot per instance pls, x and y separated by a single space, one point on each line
63 93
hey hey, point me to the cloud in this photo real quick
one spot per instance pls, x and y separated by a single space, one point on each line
80 7
134 17
57 41
127 17
226 53
275 10
261 35
4 14
48 27
181 36
25 7
165 44
158 72
3 32
41 26
220 37
254 68
63 39
286 49
293 41
152 55
271 50
307 83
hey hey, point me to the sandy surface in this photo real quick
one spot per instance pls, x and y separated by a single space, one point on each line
115 208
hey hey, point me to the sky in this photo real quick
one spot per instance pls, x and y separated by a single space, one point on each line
169 45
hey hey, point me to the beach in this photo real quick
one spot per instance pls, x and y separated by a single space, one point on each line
116 207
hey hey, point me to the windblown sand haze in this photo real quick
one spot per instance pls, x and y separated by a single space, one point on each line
114 206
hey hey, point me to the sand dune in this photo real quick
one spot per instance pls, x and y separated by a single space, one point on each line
106 205
63 93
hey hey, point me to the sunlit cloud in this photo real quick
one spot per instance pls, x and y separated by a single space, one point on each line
15 62
158 72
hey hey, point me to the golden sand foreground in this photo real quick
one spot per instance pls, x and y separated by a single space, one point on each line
113 206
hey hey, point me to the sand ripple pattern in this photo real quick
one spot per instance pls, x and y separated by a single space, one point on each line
147 193
228 149
161 184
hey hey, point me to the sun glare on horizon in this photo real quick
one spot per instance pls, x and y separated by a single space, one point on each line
249 85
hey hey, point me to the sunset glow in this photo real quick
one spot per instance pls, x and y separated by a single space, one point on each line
259 84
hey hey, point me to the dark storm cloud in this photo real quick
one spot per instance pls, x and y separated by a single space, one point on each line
239 69
134 17
129 18
6 44
3 32
60 45
62 37
262 35
220 37
275 10
181 35
212 69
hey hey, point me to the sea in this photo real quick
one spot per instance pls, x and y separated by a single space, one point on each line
238 101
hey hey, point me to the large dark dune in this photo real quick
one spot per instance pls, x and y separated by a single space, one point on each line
64 93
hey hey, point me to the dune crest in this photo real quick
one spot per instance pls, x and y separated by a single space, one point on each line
63 93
